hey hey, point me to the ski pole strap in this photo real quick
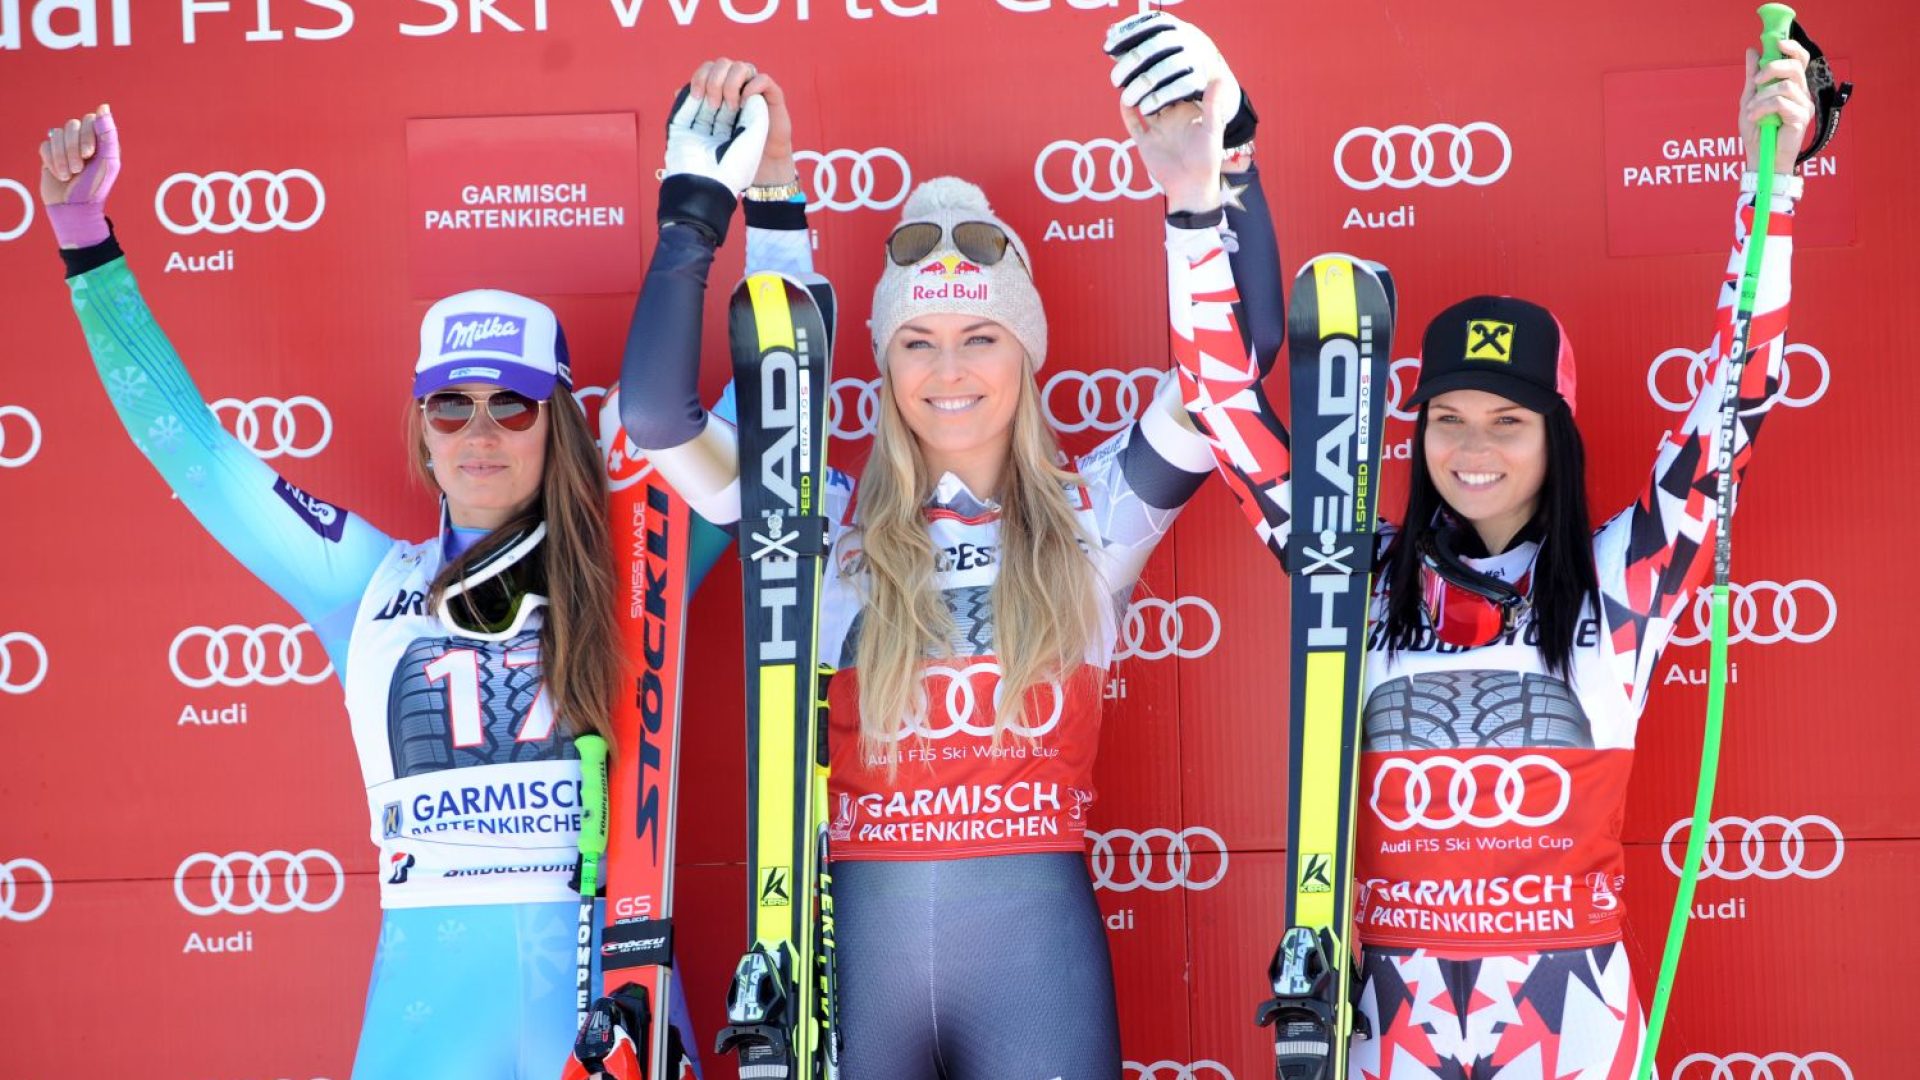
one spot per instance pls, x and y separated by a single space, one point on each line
593 803
1329 552
1829 96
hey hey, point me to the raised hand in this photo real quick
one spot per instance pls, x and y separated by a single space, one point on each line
1159 60
1777 89
716 131
1180 145
79 161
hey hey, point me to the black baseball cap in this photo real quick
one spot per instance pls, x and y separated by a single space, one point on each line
1500 344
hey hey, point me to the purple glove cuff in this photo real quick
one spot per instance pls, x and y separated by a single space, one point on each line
78 225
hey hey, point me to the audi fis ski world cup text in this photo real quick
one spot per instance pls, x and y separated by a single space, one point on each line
111 23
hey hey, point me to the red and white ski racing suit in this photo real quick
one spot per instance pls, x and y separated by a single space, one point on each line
1490 878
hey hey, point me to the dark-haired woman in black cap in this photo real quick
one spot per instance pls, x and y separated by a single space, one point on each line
1511 653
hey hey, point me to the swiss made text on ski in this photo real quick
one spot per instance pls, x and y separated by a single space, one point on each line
1339 337
780 1009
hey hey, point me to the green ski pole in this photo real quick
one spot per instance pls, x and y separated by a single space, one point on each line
1776 21
593 845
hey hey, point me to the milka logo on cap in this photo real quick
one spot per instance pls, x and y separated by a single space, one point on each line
1488 339
495 333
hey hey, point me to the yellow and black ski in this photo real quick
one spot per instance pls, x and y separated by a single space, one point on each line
780 1008
1339 341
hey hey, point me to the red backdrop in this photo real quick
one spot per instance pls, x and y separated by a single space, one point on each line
1508 146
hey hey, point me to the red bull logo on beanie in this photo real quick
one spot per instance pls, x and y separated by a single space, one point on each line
482 330
950 267
948 271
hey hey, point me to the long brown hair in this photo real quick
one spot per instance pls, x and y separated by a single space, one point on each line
580 657
1046 599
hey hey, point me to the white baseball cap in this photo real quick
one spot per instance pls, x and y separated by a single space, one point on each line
491 336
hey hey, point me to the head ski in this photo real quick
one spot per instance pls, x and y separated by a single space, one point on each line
780 1010
1339 337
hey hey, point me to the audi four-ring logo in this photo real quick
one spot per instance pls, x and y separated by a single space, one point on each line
961 698
26 209
26 428
1099 169
1510 782
1155 629
256 200
266 655
876 179
296 427
1179 1070
24 875
1157 860
1800 611
1795 392
1106 400
853 412
23 662
1770 848
276 882
1818 1065
1404 156
1402 374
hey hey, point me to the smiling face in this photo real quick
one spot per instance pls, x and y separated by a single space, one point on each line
956 380
1488 459
488 473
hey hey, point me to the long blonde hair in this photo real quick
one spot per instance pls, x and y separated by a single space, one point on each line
581 661
1046 597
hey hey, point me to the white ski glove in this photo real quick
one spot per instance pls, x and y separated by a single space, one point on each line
720 143
1159 60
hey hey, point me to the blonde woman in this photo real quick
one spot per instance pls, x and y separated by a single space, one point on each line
468 660
973 598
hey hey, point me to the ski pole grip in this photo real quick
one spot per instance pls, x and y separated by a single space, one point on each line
1776 22
593 797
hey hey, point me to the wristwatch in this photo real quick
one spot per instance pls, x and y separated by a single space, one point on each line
786 192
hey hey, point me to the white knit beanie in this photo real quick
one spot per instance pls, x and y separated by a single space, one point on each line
946 282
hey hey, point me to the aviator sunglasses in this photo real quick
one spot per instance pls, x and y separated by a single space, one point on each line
980 241
450 411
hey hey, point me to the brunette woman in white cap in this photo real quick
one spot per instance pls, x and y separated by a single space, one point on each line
468 660
977 582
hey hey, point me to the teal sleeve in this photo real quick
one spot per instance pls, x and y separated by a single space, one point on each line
318 557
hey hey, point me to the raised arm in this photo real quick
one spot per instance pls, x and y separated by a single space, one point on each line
714 148
1221 344
1652 556
317 556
